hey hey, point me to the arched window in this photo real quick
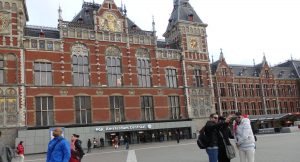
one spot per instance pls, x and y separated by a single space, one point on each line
113 66
80 65
8 107
143 67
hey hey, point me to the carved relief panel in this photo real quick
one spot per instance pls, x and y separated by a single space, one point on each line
4 23
109 22
200 102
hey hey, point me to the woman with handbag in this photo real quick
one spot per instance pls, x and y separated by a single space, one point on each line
224 142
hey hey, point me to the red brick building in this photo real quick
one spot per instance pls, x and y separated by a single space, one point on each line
101 75
101 70
259 90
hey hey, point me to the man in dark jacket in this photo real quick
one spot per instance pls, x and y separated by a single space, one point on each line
78 146
6 153
212 128
58 148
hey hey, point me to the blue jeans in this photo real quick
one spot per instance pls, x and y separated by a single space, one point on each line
212 154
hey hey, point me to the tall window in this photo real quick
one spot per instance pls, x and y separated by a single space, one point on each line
143 67
251 90
44 111
113 66
237 90
224 71
117 108
1 69
144 75
83 109
42 73
174 107
244 89
230 90
147 108
171 78
198 78
8 107
222 89
80 65
258 91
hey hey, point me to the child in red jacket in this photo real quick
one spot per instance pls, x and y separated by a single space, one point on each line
20 151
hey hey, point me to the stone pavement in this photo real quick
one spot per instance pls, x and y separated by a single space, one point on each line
270 148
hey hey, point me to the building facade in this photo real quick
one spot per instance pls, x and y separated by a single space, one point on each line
100 75
259 90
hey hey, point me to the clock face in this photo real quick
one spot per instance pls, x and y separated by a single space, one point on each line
193 43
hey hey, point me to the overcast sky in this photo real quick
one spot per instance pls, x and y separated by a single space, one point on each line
244 29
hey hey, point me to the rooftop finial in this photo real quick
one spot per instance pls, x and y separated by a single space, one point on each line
292 57
125 11
212 58
221 55
153 24
254 62
59 13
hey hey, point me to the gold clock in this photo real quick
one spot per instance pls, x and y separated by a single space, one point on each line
193 43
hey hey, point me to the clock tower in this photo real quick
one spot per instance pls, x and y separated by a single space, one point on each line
187 30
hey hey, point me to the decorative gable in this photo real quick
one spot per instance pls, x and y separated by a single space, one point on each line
109 17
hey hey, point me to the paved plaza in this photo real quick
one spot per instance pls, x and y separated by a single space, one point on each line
270 148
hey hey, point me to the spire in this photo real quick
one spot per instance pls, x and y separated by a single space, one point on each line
153 24
212 58
125 11
292 57
60 13
264 58
221 55
254 62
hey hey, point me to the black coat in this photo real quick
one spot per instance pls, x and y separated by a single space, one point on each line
226 133
212 131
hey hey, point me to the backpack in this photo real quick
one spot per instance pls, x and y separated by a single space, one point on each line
202 140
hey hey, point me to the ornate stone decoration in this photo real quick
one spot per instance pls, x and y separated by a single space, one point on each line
8 107
4 23
142 53
168 54
113 51
79 49
109 22
200 102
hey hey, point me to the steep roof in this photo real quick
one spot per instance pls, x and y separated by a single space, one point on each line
293 66
84 19
35 31
181 11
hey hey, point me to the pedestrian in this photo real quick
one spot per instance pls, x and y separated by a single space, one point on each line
76 149
126 142
95 143
244 138
89 145
20 151
177 135
58 148
6 153
223 140
116 142
212 129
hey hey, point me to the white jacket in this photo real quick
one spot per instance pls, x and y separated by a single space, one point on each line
244 136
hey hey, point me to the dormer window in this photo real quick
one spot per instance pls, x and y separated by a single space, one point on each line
224 71
80 20
191 17
267 74
109 6
134 27
42 34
